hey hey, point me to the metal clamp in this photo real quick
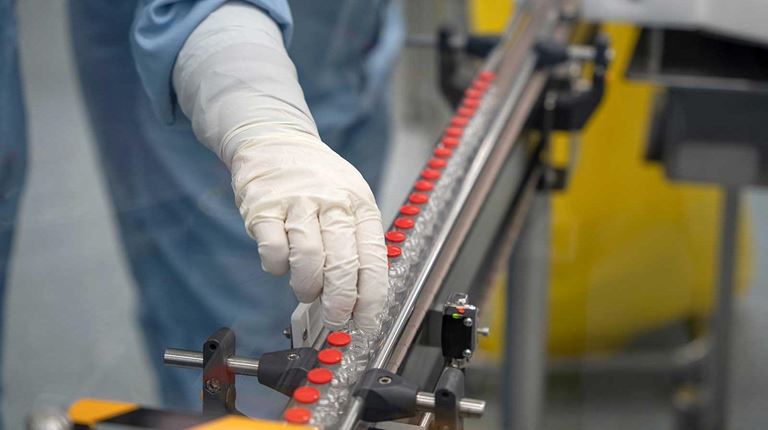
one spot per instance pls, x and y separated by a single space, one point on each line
389 396
283 371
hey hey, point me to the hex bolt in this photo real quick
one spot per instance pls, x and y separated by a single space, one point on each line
212 386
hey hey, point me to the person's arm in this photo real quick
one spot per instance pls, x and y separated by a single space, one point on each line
309 210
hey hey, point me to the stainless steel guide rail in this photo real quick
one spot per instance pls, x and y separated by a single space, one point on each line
520 86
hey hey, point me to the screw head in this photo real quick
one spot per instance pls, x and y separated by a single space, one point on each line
468 322
287 332
467 353
213 386
384 380
292 356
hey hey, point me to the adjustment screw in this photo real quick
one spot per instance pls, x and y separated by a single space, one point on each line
212 386
384 380
468 322
483 331
287 332
292 356
467 353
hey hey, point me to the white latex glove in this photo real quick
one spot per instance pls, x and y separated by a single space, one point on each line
308 208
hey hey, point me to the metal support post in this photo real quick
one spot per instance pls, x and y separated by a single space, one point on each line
526 322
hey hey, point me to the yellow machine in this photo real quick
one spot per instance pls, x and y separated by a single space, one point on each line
630 251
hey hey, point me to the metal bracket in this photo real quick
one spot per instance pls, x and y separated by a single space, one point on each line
448 394
306 324
389 396
283 371
452 50
218 381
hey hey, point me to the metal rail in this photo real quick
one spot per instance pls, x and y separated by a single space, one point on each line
520 84
194 360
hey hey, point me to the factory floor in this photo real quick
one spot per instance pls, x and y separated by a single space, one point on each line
69 327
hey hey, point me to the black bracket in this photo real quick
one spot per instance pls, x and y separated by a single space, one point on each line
218 381
387 396
564 105
448 393
453 51
283 371
286 370
568 108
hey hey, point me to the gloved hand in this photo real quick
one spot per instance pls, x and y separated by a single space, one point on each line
308 208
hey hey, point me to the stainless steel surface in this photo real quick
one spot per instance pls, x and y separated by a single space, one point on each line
525 354
519 86
182 358
467 407
194 359
426 420
243 366
722 322
518 67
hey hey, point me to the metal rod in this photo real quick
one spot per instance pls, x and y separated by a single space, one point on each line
425 402
722 319
426 420
194 360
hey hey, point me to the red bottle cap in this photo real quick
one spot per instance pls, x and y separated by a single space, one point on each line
297 415
338 338
486 75
418 198
393 251
329 356
454 131
443 152
430 174
465 111
395 236
473 93
409 210
424 185
404 223
471 103
459 121
319 376
436 163
450 142
480 85
306 395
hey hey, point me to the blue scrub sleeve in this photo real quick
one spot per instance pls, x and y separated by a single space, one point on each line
159 30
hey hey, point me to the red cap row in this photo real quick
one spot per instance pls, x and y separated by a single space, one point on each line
451 139
310 394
